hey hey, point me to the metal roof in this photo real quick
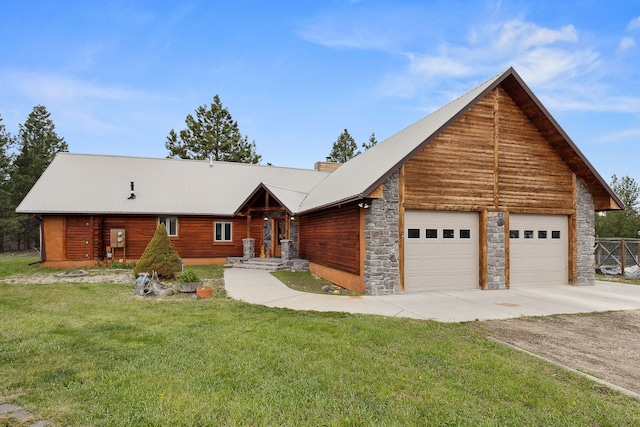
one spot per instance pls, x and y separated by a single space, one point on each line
96 184
76 183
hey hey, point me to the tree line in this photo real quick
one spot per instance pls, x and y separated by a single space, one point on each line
23 158
210 134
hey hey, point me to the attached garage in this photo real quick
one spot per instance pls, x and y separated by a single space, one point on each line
538 246
441 251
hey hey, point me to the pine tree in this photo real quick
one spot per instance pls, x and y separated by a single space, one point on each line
7 216
371 143
344 148
159 256
37 144
212 134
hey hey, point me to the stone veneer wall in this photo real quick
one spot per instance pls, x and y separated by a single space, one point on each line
496 251
586 223
382 242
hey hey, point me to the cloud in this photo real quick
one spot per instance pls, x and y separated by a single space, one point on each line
43 88
621 136
626 43
634 24
516 35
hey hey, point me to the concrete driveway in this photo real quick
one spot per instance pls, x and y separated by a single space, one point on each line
260 287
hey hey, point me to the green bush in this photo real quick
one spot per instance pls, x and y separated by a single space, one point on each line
159 256
189 276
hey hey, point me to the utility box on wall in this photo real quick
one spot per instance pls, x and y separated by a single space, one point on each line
118 238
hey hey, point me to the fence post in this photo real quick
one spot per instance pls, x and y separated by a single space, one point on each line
623 249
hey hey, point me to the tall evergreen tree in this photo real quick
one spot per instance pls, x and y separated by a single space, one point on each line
371 143
37 144
344 149
7 216
624 223
212 133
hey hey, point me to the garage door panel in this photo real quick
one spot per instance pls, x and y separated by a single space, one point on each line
440 263
543 258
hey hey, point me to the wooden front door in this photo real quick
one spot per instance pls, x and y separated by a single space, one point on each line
279 234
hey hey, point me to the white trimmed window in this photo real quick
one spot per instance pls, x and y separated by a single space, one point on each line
222 232
171 224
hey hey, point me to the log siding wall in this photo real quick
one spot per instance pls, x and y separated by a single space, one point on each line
86 237
491 155
332 238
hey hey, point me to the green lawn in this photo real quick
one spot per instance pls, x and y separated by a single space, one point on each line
93 354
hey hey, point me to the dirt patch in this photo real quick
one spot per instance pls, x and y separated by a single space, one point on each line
74 276
604 345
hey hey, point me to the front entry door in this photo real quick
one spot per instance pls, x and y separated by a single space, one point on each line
279 234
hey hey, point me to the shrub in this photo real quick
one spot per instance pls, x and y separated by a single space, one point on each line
189 276
159 256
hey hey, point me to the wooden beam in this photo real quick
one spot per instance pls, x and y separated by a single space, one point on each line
483 251
376 194
496 139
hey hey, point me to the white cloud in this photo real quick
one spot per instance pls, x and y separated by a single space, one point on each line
547 65
626 43
634 24
621 136
516 35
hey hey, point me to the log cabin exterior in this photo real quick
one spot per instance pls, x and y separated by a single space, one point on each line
488 192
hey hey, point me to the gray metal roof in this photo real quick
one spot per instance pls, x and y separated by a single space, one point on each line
361 175
78 183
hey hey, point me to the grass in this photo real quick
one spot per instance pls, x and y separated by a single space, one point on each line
304 281
13 265
92 354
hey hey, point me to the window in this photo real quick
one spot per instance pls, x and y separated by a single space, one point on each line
514 234
465 234
555 234
222 232
542 234
528 234
448 233
431 233
413 233
171 223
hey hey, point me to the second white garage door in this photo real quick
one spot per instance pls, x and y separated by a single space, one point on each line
539 250
440 251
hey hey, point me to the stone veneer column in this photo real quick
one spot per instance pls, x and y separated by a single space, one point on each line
496 251
381 262
286 247
248 248
586 220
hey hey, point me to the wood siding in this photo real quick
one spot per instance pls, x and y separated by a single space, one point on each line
493 158
86 237
79 241
332 238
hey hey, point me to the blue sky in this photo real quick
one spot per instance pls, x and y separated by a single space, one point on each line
117 76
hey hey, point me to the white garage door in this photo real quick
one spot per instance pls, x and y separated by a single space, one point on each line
539 250
440 251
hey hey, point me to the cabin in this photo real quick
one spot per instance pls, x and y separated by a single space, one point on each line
487 192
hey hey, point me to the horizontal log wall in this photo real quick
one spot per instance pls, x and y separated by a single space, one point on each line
332 238
79 238
464 169
194 240
531 174
456 168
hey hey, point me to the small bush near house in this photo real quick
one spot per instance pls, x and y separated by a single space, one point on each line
159 256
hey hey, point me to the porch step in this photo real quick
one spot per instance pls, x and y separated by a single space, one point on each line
269 264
